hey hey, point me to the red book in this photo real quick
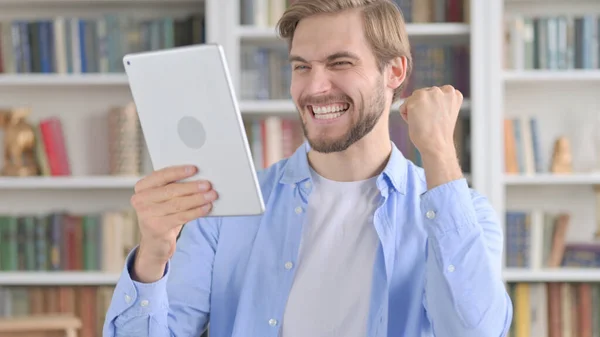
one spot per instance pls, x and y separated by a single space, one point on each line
54 143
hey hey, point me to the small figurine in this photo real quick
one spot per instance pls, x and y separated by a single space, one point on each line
19 143
562 161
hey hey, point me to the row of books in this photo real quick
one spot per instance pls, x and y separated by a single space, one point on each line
87 303
89 45
555 309
536 239
50 155
552 42
523 153
272 139
266 13
266 72
419 11
66 241
437 65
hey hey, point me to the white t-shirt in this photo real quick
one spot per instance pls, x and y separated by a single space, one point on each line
331 292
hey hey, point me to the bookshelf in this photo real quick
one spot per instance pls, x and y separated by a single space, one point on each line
545 68
81 215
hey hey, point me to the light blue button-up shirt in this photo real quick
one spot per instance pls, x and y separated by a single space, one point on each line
437 272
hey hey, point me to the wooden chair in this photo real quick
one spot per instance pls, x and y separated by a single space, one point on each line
40 326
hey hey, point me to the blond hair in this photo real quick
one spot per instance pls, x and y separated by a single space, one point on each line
383 23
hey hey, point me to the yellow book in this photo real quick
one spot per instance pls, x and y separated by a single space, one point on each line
522 311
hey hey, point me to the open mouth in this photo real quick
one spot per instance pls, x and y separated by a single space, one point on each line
329 111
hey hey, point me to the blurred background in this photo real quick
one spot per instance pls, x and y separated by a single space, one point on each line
528 138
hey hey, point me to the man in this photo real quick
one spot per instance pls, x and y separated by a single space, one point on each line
356 240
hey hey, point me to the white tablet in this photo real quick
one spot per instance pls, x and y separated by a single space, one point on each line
189 114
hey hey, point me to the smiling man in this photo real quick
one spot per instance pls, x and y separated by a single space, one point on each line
356 240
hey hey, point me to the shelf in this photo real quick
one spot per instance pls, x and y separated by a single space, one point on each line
72 182
414 30
552 179
438 29
551 275
63 79
550 75
57 278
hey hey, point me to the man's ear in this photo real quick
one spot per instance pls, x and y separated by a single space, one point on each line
396 72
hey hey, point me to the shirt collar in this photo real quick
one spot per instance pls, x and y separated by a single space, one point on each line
297 169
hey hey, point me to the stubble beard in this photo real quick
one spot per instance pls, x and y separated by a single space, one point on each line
363 126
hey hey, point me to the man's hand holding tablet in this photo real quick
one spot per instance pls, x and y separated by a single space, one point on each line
163 205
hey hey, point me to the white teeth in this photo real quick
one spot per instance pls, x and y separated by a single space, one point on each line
328 115
329 108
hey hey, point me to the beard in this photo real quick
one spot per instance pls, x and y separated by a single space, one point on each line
368 114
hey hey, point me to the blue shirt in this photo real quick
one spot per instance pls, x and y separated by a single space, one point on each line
437 270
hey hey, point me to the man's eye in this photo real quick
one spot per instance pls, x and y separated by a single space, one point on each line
300 67
341 63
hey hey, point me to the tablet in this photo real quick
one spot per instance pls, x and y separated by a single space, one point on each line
189 114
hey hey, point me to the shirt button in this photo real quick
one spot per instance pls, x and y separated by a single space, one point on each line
298 210
272 322
430 214
307 184
451 268
127 298
289 265
144 303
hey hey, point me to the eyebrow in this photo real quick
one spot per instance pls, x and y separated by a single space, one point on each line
341 54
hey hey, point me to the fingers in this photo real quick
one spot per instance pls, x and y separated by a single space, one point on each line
451 97
458 100
185 203
176 211
165 176
189 215
448 89
457 97
174 190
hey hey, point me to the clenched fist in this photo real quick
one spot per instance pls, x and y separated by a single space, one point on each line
431 115
163 205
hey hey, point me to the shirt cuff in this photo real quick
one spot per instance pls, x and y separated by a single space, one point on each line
138 299
448 207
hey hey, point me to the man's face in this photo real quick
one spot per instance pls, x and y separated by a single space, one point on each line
336 84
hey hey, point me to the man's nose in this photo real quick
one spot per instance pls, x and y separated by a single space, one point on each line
319 81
